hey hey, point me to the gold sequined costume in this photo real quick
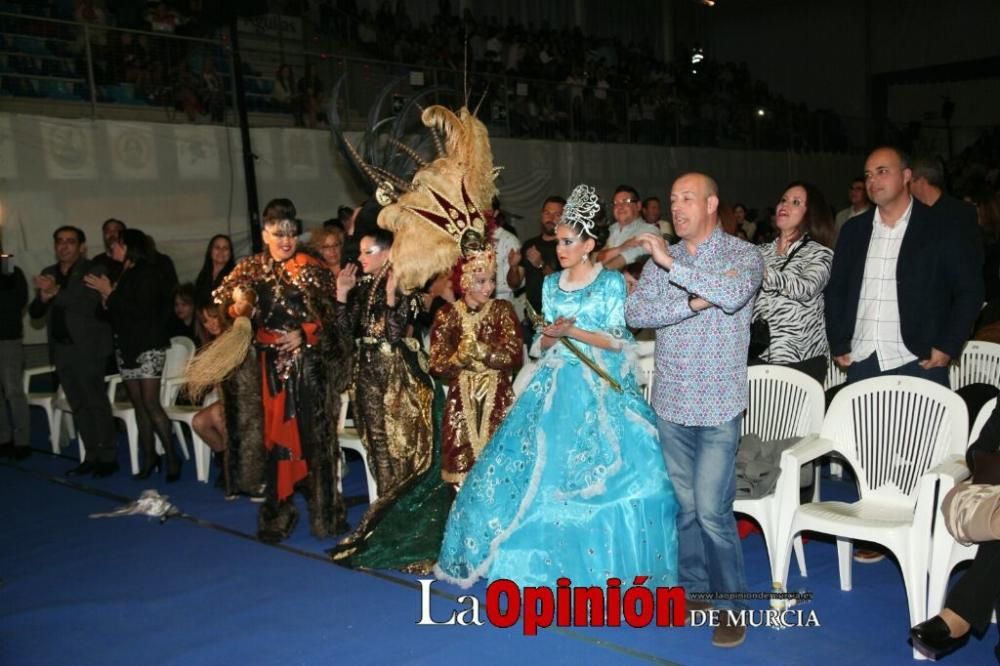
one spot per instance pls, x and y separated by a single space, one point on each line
475 353
392 390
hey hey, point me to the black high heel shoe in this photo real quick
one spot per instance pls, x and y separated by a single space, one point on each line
173 472
152 464
933 638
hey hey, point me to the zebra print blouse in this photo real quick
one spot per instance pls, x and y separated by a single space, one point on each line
791 300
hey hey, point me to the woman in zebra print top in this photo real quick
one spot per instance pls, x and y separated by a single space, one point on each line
797 268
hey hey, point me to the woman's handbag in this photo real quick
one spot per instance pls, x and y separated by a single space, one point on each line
760 329
972 512
760 337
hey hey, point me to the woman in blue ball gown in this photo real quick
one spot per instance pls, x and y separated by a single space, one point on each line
573 482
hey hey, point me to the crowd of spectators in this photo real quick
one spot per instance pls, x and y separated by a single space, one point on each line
557 83
579 86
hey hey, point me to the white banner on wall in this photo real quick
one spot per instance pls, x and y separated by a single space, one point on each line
69 149
197 152
132 151
183 183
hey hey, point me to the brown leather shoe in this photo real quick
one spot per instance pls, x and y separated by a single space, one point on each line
867 556
728 635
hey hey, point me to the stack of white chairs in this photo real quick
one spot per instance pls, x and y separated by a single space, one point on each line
178 354
45 400
979 363
946 553
898 434
784 403
347 435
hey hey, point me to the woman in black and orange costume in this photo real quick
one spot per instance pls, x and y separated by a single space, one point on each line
287 296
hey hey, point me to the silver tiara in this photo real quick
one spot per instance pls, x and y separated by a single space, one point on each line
581 208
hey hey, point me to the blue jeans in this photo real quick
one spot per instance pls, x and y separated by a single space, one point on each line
868 368
701 461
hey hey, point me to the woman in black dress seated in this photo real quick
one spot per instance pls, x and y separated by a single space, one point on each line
973 599
135 306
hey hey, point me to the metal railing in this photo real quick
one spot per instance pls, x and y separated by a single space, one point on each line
92 69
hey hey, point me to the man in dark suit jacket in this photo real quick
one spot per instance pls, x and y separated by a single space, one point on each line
79 345
927 186
905 287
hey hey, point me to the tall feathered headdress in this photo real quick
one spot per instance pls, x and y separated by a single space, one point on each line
438 215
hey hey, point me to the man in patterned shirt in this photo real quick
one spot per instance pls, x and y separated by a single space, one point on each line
698 295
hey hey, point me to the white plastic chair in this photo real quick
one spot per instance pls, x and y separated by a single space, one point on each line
783 403
895 432
835 375
179 353
44 400
348 437
979 363
646 375
183 415
645 347
946 553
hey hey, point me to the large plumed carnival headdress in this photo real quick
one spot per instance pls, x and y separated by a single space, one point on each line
581 210
439 214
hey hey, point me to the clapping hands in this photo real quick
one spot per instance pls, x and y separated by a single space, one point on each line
47 287
559 328
99 283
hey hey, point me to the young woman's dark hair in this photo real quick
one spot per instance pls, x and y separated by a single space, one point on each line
279 209
206 281
818 220
380 237
137 246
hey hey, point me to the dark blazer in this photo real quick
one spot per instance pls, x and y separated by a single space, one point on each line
938 280
85 319
136 307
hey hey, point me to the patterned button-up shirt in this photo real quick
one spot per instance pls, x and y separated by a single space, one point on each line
701 357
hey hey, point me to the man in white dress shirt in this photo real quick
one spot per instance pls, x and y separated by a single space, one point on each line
621 250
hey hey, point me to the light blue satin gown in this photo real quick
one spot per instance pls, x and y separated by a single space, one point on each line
573 482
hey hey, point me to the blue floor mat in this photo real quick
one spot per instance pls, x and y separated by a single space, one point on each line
201 589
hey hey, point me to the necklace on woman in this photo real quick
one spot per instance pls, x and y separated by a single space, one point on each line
785 242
